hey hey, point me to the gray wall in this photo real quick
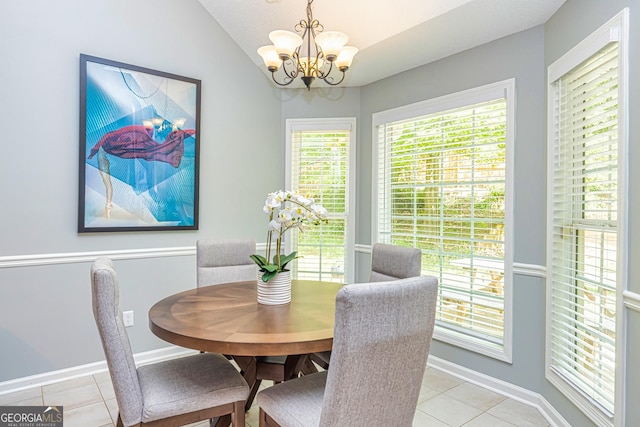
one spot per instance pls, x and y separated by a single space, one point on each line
45 317
46 322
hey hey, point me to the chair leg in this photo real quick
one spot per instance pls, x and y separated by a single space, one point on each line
237 418
265 420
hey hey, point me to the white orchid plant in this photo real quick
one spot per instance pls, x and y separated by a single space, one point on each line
286 210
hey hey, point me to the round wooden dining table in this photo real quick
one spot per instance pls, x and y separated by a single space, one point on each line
227 319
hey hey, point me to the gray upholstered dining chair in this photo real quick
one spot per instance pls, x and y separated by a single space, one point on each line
223 261
381 342
169 393
389 262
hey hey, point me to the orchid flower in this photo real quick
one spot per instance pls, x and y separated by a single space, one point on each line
286 210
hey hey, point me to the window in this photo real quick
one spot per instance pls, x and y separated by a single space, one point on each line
443 186
586 145
320 166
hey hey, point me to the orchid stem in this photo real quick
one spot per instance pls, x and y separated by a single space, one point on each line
269 235
278 247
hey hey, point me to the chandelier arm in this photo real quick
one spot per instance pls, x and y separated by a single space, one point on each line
296 67
328 80
287 80
324 74
289 76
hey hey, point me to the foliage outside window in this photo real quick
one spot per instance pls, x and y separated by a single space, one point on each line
319 153
443 187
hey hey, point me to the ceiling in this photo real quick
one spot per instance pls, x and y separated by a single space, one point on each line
392 36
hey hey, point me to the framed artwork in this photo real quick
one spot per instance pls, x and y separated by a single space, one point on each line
139 148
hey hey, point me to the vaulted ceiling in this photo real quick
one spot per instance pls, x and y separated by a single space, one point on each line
392 36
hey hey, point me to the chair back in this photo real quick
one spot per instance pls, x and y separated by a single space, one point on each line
222 261
390 262
381 342
115 341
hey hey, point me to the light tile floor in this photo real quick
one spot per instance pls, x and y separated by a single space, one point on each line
445 401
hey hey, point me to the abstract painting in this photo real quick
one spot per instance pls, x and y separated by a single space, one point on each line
139 148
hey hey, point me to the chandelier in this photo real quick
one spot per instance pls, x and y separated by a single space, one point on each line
314 55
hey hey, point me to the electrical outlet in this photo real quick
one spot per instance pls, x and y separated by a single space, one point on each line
127 318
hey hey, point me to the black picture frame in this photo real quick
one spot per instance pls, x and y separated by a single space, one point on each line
139 148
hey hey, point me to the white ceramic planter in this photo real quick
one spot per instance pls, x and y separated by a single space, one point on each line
275 291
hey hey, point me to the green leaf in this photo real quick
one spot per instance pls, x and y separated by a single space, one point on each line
287 259
269 275
258 259
271 268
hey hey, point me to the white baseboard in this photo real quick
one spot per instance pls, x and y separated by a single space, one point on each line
88 369
502 387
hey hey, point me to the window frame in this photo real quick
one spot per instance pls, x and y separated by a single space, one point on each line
330 124
505 89
615 30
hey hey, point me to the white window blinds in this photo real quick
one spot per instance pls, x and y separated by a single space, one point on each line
442 187
585 228
319 162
